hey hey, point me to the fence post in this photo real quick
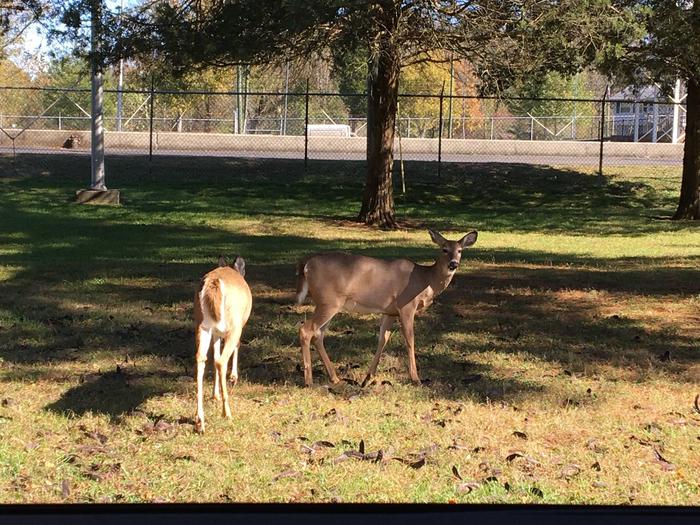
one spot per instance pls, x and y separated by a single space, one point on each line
150 126
602 133
306 126
442 96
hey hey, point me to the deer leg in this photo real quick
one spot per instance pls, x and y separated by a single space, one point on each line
217 354
407 319
312 329
384 335
203 338
230 345
318 343
234 365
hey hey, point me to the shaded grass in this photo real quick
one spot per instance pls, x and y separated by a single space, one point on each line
557 326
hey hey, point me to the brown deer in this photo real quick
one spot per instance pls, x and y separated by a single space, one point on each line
354 283
221 309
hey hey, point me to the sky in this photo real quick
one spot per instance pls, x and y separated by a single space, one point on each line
35 47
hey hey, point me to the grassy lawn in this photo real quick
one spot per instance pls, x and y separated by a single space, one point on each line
561 365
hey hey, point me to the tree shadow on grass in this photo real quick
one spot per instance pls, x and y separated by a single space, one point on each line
103 284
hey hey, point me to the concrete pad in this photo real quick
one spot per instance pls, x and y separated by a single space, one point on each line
97 196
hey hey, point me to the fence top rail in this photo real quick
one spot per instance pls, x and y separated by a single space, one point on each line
331 94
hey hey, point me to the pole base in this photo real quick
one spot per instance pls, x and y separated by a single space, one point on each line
90 196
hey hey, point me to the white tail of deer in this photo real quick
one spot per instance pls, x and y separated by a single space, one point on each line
397 289
221 309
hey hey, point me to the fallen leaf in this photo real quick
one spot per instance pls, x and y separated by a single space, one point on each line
380 456
307 449
596 466
455 472
457 446
599 485
286 474
511 457
537 492
417 464
361 448
569 471
468 486
665 464
325 444
65 488
521 435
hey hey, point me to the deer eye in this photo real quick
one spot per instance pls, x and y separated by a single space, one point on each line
459 251
444 250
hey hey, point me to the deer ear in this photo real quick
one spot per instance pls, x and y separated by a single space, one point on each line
239 265
437 238
468 239
222 261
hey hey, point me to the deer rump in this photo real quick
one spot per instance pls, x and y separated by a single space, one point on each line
220 296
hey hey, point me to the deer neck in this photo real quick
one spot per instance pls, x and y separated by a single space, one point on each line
439 277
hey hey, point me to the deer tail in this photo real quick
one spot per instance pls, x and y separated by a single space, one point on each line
302 283
210 298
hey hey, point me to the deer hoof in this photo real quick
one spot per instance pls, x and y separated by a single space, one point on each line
234 380
199 426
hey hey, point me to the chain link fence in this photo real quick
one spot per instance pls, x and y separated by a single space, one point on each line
332 126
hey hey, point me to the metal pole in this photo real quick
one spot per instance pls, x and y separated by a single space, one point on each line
449 105
675 132
150 124
97 136
245 98
655 124
239 78
286 96
602 132
120 81
442 96
306 126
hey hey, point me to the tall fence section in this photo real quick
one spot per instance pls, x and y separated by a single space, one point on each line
439 128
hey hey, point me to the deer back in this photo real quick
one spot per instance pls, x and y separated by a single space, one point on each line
362 284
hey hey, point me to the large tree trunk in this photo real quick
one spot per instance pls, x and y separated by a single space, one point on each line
383 89
689 202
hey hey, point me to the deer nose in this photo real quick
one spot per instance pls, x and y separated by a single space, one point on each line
453 265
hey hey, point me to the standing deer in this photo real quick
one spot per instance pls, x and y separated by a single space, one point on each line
221 309
354 283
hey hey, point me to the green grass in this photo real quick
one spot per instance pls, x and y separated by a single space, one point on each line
553 327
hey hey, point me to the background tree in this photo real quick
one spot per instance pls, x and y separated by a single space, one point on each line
501 39
667 48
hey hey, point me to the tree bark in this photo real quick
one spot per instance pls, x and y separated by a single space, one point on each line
383 89
689 202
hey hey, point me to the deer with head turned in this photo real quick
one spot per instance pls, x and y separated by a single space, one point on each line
222 306
397 289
